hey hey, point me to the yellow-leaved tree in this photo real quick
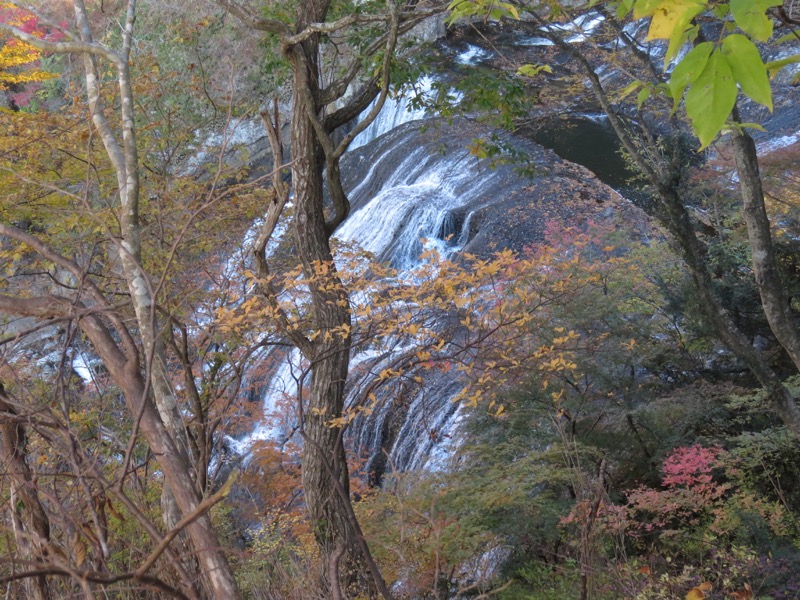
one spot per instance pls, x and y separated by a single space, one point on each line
20 62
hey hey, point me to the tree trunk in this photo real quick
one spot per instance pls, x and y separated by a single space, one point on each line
324 460
768 279
30 521
675 218
125 371
164 431
727 331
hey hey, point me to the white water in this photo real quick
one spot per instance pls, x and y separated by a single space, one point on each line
236 133
581 27
413 205
778 143
397 110
473 55
280 398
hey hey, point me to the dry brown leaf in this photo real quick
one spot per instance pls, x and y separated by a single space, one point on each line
114 512
78 549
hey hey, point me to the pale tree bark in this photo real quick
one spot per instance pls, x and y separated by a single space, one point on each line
30 521
774 299
124 368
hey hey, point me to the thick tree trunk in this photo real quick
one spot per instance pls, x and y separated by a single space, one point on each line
324 460
768 279
30 521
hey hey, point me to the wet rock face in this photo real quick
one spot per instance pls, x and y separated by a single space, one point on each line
420 182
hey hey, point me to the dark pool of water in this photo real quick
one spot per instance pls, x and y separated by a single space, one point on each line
589 141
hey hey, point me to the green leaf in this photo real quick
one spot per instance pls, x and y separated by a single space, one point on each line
789 37
748 69
510 9
642 96
623 8
776 65
688 70
630 88
710 99
750 16
755 126
533 70
721 11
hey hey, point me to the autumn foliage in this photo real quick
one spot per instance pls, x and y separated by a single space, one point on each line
20 62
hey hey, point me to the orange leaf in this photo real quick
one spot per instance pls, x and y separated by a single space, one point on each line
745 594
695 594
705 586
645 570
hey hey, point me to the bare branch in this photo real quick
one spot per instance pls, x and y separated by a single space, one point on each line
204 506
70 47
48 253
391 43
328 28
337 88
94 577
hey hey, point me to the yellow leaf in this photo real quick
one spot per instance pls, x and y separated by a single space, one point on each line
671 18
78 548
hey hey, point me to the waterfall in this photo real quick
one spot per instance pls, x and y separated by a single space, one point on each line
397 110
279 420
412 188
415 203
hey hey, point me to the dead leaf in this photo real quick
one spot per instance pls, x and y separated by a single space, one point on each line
78 549
114 512
695 594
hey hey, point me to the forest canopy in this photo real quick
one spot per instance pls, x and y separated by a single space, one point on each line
296 301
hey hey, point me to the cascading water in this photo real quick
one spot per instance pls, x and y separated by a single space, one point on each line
413 185
415 203
397 110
